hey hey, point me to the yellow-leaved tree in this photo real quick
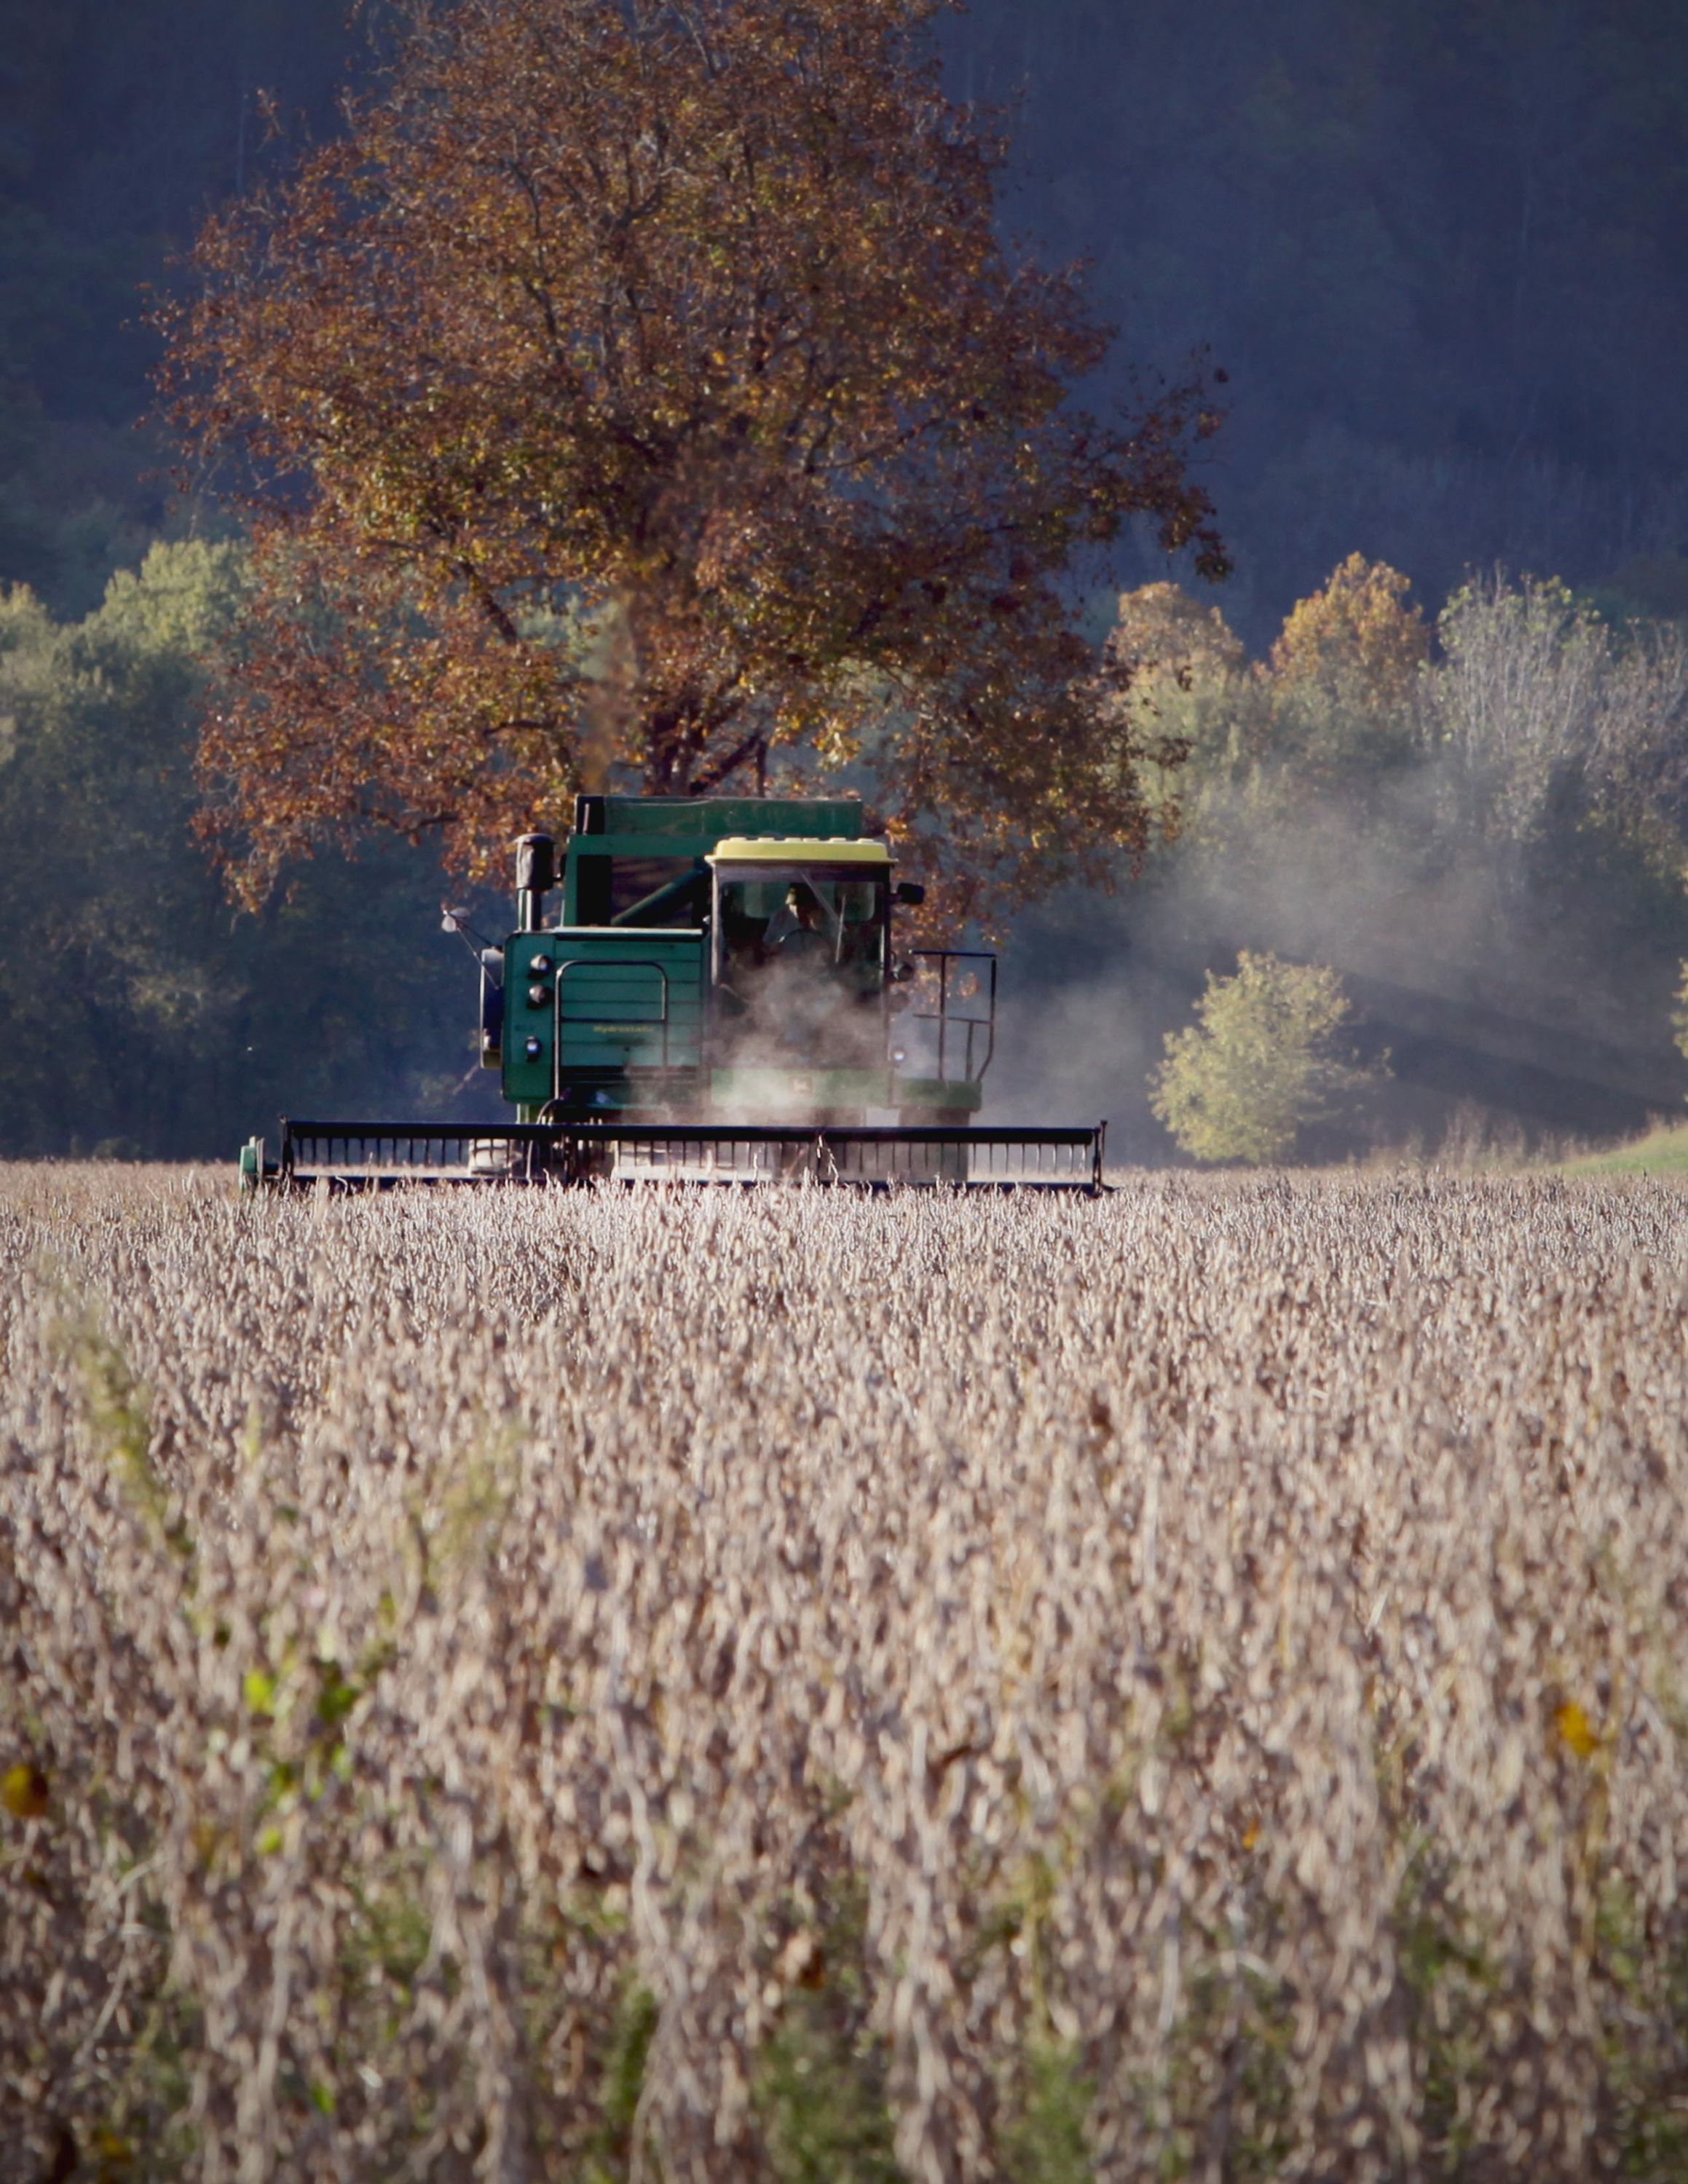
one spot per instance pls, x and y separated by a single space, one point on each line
1264 1059
1343 673
1335 705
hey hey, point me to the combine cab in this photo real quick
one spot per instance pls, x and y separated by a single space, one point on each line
720 1001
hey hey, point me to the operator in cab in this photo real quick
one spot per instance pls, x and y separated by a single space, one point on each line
799 934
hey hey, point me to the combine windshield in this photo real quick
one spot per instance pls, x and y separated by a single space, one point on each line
777 914
800 964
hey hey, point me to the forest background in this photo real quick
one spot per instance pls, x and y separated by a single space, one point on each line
1440 247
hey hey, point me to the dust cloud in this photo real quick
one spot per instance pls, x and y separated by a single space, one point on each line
1479 984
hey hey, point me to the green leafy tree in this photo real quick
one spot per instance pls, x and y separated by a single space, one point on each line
1262 1061
141 1015
1181 675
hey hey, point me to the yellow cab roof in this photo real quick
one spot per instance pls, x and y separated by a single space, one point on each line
797 849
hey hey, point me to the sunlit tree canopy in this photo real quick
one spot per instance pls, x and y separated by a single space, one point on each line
644 393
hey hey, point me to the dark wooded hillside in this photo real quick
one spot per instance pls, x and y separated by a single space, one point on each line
1441 246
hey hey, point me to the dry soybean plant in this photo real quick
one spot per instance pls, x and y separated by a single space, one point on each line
786 1686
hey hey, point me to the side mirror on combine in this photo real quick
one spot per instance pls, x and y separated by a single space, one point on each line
535 878
909 894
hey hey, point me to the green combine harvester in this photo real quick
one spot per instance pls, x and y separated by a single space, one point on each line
720 1001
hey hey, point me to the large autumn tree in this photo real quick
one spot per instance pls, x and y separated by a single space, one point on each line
640 392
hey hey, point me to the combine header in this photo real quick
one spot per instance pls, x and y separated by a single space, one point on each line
720 1001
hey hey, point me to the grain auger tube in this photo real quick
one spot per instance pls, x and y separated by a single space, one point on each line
721 999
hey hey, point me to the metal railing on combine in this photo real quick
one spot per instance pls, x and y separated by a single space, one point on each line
953 1027
377 1155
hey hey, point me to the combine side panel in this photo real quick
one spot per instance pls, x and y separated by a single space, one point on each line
597 1002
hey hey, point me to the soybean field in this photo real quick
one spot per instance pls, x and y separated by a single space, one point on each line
786 1685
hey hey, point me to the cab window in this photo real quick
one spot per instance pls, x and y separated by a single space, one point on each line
788 914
